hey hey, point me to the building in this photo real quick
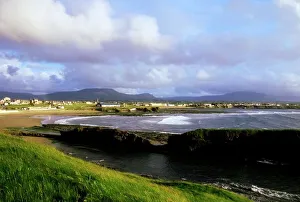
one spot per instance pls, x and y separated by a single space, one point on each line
158 104
25 102
106 105
132 110
35 101
208 105
6 99
15 102
171 105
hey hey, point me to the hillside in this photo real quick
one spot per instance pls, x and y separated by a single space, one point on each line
23 96
30 172
95 93
85 94
104 94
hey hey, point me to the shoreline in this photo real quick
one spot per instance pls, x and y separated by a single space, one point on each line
32 119
35 118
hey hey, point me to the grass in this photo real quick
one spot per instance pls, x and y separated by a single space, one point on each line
31 172
80 106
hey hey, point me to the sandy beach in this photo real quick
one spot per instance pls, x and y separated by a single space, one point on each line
34 118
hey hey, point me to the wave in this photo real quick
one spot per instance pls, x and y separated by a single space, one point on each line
251 112
92 125
251 190
175 120
67 121
275 194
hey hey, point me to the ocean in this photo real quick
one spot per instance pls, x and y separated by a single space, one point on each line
180 123
263 182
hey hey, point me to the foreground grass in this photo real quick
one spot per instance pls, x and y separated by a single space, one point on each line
30 172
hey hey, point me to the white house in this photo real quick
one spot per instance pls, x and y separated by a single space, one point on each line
158 104
15 102
208 105
35 101
106 105
6 99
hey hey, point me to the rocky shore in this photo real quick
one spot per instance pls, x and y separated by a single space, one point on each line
279 147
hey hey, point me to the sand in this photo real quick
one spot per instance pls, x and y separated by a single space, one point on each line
34 118
18 120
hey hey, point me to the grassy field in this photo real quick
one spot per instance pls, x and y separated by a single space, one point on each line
31 172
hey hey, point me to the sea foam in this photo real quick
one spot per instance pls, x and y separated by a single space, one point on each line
175 120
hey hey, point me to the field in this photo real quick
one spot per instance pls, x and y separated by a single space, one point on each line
31 172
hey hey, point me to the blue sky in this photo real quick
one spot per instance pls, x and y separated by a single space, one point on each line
168 48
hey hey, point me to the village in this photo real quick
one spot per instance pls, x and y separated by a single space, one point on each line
7 103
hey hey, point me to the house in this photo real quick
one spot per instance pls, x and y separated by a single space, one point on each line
208 105
106 105
25 102
181 105
158 104
15 102
6 99
132 109
35 101
171 105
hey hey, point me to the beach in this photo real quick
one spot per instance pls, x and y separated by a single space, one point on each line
11 119
34 118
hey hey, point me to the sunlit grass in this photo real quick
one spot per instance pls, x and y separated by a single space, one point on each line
31 172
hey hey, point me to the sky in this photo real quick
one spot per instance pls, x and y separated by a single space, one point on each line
163 47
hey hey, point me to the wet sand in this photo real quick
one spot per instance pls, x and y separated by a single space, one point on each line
18 120
34 118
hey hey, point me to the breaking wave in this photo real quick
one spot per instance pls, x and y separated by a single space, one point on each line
175 120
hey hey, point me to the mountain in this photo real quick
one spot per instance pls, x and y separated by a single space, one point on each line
96 93
85 94
240 96
104 94
22 96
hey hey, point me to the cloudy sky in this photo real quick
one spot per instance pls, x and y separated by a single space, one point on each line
164 47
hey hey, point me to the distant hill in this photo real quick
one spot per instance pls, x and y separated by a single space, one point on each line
96 93
240 96
22 96
104 94
85 94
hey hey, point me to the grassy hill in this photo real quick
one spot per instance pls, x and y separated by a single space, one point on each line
30 172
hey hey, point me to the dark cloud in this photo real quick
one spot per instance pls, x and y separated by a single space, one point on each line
11 70
244 45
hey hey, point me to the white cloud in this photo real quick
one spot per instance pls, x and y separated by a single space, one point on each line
47 22
14 76
294 4
127 90
143 30
203 75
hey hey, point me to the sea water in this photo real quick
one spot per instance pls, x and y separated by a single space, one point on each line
263 182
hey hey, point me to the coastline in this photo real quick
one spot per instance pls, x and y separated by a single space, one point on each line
34 119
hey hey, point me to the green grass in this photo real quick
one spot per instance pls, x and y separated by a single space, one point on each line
31 172
80 106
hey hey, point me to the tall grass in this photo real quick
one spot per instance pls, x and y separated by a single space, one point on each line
30 172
